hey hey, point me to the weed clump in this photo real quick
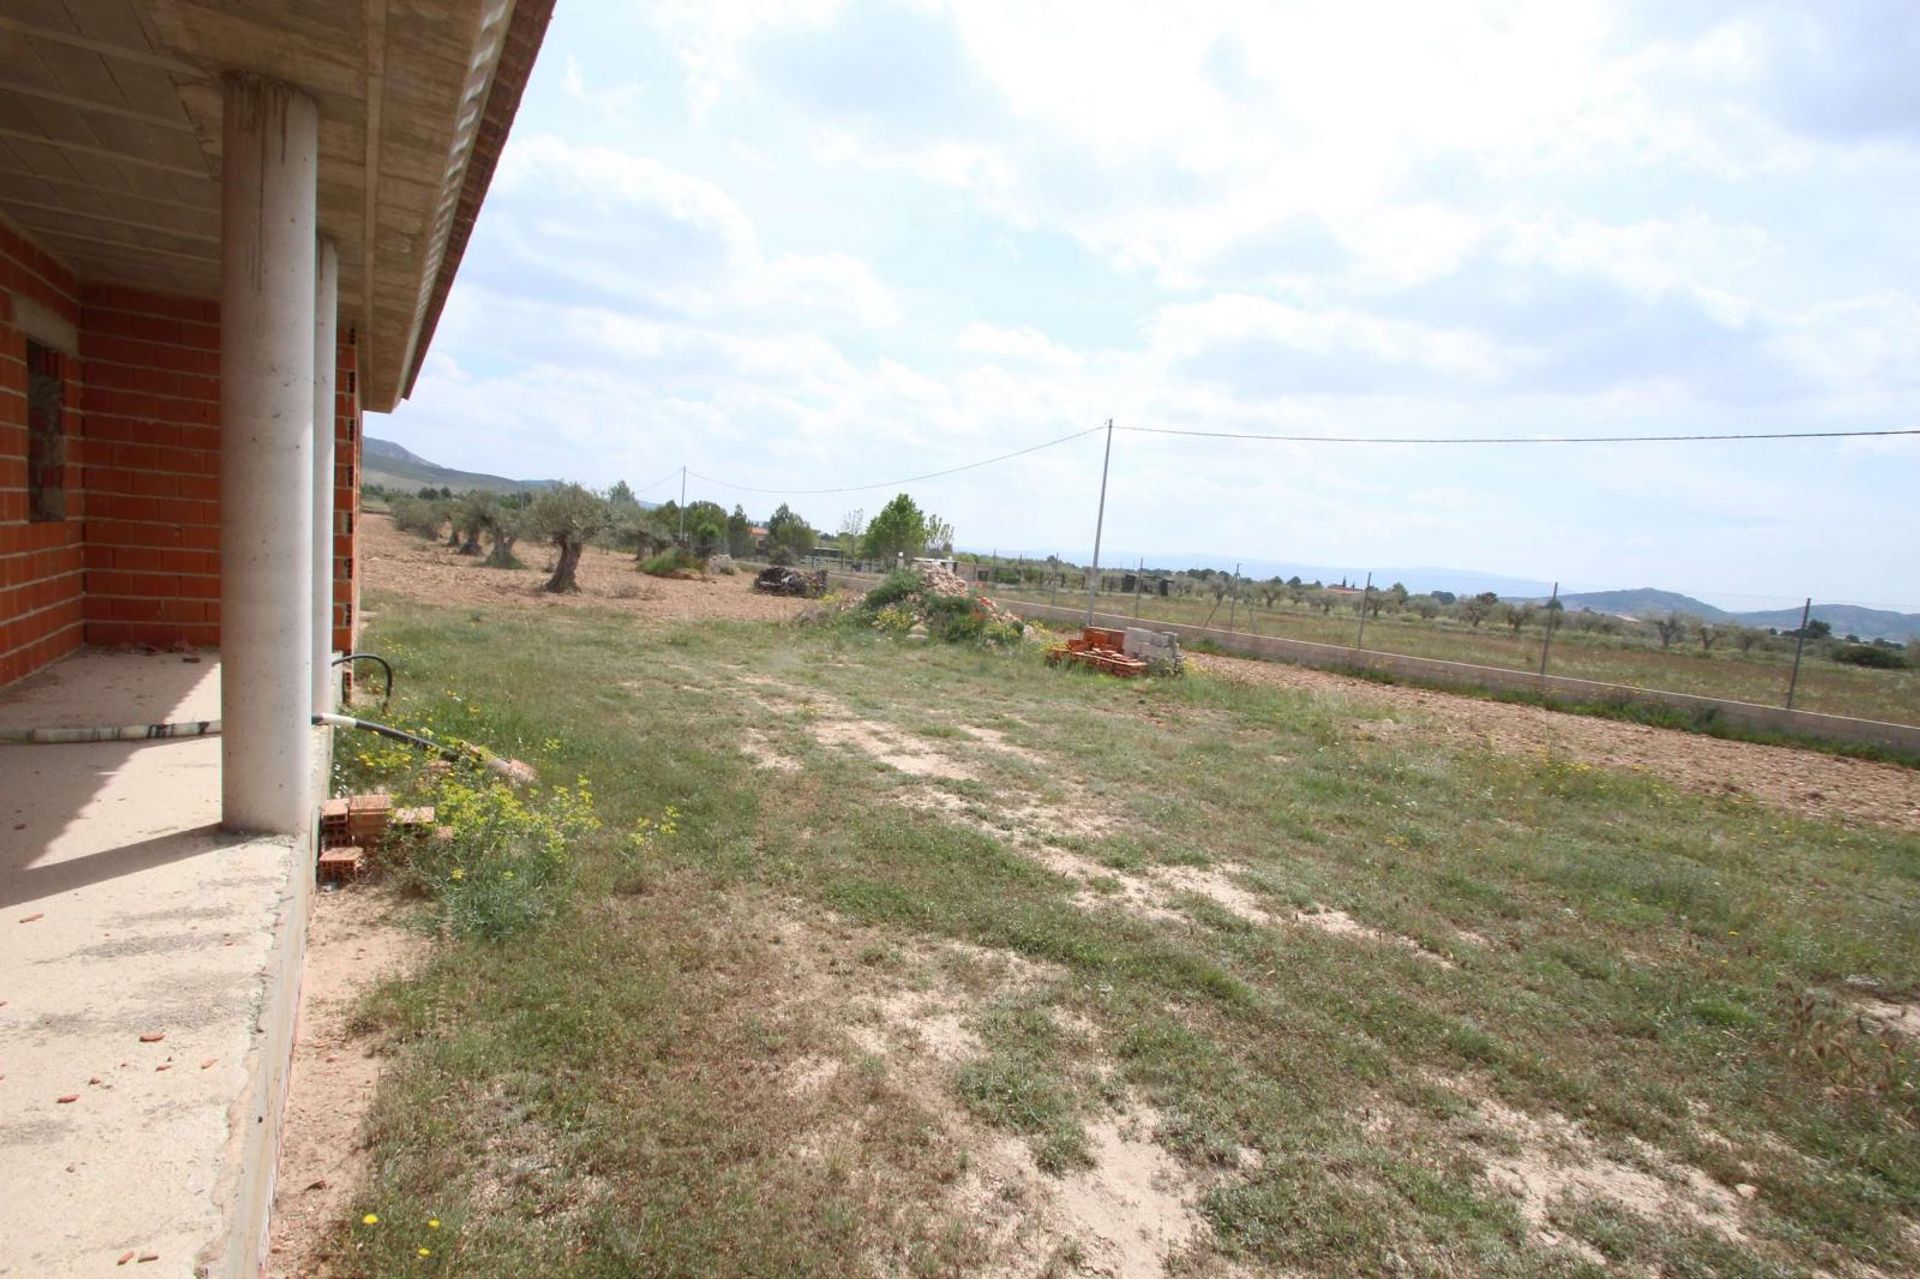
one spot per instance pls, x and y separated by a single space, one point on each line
499 863
936 604
675 561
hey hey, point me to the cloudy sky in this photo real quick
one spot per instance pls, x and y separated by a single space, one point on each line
813 244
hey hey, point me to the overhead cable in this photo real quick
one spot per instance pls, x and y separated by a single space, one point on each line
911 479
1514 439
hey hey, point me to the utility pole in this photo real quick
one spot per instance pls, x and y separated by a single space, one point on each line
683 506
1799 645
1360 640
1553 611
1099 525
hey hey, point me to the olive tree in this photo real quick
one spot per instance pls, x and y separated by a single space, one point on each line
473 514
1517 616
504 521
648 532
1671 627
1475 609
566 515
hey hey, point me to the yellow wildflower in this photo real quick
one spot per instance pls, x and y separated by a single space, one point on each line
371 1219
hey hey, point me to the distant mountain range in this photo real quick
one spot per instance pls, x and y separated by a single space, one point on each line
1846 619
388 464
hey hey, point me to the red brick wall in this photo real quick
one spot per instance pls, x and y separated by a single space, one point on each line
41 568
137 560
152 426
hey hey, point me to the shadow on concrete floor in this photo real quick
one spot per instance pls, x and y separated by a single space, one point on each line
19 884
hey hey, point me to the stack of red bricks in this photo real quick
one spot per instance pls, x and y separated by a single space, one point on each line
354 829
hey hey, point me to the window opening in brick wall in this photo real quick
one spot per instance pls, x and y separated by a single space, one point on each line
46 435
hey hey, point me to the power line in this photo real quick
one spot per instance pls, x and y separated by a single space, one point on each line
657 483
1516 439
1292 439
911 479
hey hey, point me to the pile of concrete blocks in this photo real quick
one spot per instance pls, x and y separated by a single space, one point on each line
1160 650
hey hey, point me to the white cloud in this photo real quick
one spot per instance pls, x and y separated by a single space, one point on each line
1025 345
1325 217
608 217
1691 252
1190 329
1858 343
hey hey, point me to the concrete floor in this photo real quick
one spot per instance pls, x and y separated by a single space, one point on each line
125 913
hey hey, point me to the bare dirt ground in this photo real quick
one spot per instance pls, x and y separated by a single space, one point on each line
1031 824
1124 1215
353 943
1809 783
424 570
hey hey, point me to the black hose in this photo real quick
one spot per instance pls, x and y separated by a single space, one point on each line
387 695
511 769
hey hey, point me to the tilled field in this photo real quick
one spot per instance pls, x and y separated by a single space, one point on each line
428 571
1806 782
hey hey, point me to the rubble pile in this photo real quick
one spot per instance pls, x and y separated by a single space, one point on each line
791 581
935 580
927 600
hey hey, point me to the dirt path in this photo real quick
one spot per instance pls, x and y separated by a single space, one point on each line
353 943
1809 783
424 570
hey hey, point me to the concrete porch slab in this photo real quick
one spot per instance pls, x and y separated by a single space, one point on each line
125 913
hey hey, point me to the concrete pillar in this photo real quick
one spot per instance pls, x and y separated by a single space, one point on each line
326 313
269 167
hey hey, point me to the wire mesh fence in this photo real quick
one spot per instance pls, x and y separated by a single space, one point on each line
1779 653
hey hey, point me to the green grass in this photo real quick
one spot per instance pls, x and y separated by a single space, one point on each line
601 1094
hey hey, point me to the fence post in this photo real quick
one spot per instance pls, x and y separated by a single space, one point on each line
1553 611
1139 586
1360 640
1233 598
1799 646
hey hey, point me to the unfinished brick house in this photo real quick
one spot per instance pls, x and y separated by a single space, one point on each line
227 231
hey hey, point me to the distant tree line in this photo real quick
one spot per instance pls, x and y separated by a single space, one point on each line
569 517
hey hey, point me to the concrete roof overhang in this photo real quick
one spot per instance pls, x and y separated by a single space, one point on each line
110 123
